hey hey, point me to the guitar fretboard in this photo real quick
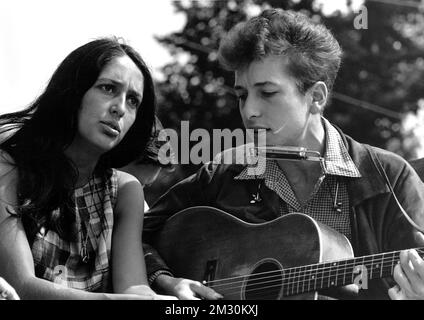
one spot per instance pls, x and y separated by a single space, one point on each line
320 276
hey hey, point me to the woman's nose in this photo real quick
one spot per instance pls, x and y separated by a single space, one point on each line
118 106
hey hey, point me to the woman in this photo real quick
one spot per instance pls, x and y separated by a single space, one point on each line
67 220
157 156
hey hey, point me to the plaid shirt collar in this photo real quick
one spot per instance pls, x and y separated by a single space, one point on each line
336 159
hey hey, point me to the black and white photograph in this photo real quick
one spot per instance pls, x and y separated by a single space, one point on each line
211 150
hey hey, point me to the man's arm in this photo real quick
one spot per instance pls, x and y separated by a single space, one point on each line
409 273
190 192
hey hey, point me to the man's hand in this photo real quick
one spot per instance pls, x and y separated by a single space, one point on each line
6 291
147 293
186 289
409 276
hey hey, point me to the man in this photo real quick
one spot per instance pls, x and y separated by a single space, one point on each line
418 165
285 67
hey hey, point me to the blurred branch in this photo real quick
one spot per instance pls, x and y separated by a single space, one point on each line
411 4
366 105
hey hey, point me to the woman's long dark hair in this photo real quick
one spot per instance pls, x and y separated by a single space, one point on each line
46 177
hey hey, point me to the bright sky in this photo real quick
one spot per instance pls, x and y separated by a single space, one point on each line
36 36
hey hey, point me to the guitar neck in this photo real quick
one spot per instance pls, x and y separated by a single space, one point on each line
320 276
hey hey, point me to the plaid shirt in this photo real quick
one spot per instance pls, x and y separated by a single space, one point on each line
60 261
331 188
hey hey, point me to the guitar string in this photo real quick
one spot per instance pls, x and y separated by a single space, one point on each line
290 290
283 292
297 274
288 275
252 290
277 277
310 271
330 264
296 281
259 289
278 273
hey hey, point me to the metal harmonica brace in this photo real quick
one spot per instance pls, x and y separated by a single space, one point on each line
286 153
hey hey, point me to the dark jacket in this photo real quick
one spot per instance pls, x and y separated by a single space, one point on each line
418 165
376 220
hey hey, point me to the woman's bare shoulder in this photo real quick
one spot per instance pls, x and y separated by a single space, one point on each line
8 183
7 164
130 193
125 178
5 157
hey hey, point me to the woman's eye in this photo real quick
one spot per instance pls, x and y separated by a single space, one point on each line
133 102
107 88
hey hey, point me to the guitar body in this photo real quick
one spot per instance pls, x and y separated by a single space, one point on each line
232 256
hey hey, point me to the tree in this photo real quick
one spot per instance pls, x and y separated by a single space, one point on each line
383 65
380 79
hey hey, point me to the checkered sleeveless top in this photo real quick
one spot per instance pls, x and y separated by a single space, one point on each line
84 262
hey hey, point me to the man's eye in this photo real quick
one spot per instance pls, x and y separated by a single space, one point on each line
268 94
242 97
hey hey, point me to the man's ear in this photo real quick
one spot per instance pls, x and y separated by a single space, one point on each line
318 97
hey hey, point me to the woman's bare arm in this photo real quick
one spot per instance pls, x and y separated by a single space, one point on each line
16 260
129 270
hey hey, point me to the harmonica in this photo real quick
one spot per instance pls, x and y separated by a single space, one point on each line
286 153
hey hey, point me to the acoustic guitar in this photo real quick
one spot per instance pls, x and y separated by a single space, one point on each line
293 256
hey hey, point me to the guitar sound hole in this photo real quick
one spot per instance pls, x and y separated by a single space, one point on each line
265 282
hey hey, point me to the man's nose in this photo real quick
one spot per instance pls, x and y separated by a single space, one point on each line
251 108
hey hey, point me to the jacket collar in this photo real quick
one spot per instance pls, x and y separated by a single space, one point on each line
371 182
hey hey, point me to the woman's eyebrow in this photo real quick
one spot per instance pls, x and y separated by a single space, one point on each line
121 84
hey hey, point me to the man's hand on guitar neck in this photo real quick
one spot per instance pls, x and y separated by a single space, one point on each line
409 275
185 289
